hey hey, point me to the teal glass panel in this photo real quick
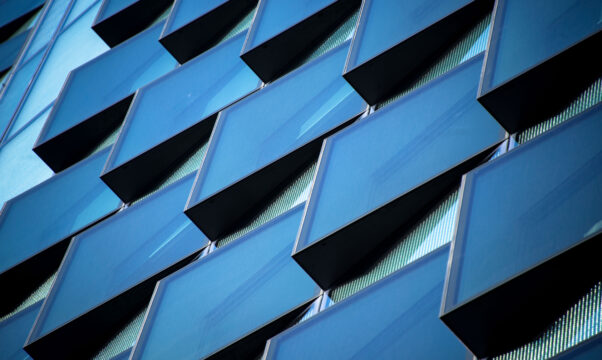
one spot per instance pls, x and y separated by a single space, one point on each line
54 210
397 149
119 253
189 94
14 331
226 295
109 78
310 102
527 206
185 11
396 318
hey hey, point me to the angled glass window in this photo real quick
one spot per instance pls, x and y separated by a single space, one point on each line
54 210
119 253
389 156
396 318
10 49
94 97
14 13
312 101
228 295
14 331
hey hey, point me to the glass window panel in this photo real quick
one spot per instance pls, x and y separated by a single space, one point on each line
547 196
189 94
119 253
229 293
47 26
526 33
108 79
398 149
112 7
11 10
54 210
14 331
385 23
311 101
185 11
396 318
275 16
10 49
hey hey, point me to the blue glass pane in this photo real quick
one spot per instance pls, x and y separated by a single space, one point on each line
10 10
75 45
49 23
54 210
14 331
310 102
275 16
385 23
185 11
526 33
108 79
397 318
229 293
588 351
189 94
10 49
112 7
529 205
119 253
398 149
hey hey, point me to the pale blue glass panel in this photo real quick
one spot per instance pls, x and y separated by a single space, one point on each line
112 7
185 11
529 205
54 210
108 79
275 16
397 149
526 33
119 253
385 23
48 26
229 293
75 45
14 331
280 118
10 10
396 318
189 94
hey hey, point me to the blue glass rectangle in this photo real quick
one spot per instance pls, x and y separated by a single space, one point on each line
107 79
226 295
185 11
14 331
311 101
397 149
54 210
119 253
527 206
184 97
386 23
396 318
527 33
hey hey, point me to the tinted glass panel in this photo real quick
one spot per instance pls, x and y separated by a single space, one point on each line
185 11
525 33
229 293
14 331
112 7
397 318
54 210
275 16
10 49
253 133
189 94
121 252
399 148
10 10
109 78
385 23
48 26
590 350
529 205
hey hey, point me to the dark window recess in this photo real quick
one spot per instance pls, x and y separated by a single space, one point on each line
379 174
528 238
15 13
541 55
284 31
388 51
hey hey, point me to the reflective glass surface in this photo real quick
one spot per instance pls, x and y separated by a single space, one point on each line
275 16
397 318
185 11
526 33
385 23
10 10
47 27
224 296
189 94
120 252
108 79
253 133
529 205
397 149
14 331
10 49
112 7
54 210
